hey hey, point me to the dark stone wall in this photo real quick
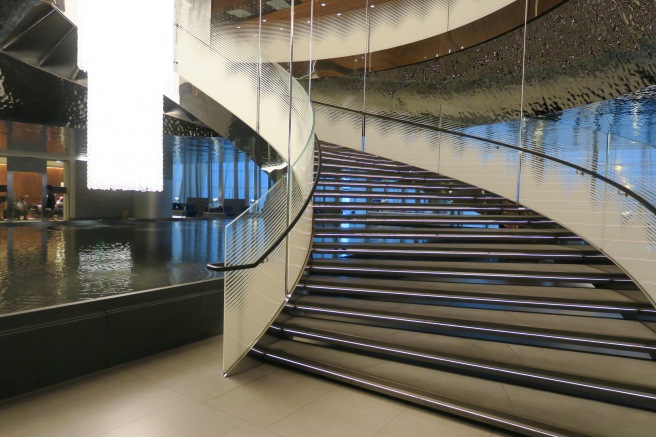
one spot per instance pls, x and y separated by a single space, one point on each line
580 52
48 346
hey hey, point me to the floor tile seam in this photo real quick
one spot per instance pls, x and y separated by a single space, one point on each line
207 402
334 387
107 431
382 428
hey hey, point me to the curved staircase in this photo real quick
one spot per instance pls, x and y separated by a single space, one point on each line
427 289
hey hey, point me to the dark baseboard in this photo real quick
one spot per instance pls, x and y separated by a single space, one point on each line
44 347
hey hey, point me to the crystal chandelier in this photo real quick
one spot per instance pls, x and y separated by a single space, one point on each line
126 48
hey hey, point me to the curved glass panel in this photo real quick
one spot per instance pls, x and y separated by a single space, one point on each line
232 69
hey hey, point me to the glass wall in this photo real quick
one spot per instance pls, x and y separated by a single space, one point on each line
214 169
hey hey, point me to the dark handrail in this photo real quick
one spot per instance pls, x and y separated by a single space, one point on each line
221 267
627 192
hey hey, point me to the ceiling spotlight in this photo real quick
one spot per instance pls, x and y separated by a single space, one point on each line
339 13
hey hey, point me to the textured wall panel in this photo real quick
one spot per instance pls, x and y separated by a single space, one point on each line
581 52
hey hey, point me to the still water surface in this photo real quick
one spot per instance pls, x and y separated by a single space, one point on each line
43 265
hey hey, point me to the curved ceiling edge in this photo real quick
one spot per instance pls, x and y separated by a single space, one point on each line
390 28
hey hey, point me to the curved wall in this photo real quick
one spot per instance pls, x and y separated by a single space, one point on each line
580 52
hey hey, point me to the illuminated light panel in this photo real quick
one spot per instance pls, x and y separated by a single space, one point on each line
127 51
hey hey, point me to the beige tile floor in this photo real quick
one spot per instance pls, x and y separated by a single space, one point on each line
181 393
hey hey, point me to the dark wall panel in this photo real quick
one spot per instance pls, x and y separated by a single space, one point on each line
44 347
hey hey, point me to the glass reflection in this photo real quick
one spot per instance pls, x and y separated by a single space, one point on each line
615 138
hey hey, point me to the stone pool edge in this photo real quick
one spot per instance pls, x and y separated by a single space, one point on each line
47 346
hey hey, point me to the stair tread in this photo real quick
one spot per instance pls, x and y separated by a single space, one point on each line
478 247
584 294
476 231
574 414
590 270
428 217
613 329
603 368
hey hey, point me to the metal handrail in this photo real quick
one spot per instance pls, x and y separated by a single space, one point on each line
221 267
627 192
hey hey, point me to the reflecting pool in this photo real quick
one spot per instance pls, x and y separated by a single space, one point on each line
49 264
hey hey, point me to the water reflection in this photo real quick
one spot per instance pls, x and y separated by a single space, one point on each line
42 266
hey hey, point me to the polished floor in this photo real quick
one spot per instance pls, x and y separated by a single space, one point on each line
181 393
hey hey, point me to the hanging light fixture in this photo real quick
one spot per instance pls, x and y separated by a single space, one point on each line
126 48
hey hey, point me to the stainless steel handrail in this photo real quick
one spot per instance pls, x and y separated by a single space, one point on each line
221 267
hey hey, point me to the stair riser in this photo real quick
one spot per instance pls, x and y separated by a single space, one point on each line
464 275
490 303
500 334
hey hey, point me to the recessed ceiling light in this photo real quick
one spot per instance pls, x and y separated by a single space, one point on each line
239 13
339 13
323 4
373 6
278 4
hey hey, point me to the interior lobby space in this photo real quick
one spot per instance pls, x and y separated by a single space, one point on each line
181 393
324 218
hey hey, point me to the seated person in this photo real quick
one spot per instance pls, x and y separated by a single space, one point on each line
19 210
59 207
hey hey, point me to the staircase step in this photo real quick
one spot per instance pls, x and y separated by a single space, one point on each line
321 207
580 365
395 219
615 337
515 408
443 294
553 299
326 185
451 234
427 350
415 196
390 177
533 252
595 274
400 170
